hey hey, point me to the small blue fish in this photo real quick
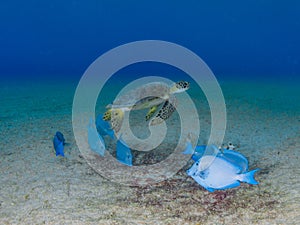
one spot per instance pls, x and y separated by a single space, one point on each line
58 143
124 153
103 127
225 170
95 140
60 137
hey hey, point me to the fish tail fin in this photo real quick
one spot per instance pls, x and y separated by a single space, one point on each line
111 134
60 149
249 177
124 153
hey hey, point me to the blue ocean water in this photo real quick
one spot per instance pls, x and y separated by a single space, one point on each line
47 39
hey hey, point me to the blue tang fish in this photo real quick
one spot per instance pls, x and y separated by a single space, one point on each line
58 143
124 153
225 170
95 140
103 127
60 137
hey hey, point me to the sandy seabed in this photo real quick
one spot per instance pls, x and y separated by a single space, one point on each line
36 187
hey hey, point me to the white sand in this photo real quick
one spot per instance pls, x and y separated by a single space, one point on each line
38 188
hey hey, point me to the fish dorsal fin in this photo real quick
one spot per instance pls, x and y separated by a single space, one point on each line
189 150
235 158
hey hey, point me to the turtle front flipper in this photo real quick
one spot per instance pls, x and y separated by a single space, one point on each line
107 115
165 112
151 111
117 116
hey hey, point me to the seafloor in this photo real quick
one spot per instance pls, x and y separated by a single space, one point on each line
36 187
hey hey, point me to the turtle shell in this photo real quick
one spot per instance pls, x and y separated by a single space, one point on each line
143 97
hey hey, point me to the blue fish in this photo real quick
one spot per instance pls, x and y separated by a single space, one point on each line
103 127
95 140
58 143
124 153
225 170
60 137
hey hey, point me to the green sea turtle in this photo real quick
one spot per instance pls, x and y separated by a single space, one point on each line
151 96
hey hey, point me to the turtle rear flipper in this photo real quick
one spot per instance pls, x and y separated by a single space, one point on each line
151 111
165 112
117 116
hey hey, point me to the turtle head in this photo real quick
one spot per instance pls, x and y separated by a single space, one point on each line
179 86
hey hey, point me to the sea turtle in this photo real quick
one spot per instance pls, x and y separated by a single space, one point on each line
151 96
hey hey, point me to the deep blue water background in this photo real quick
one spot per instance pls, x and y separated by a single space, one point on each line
245 39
